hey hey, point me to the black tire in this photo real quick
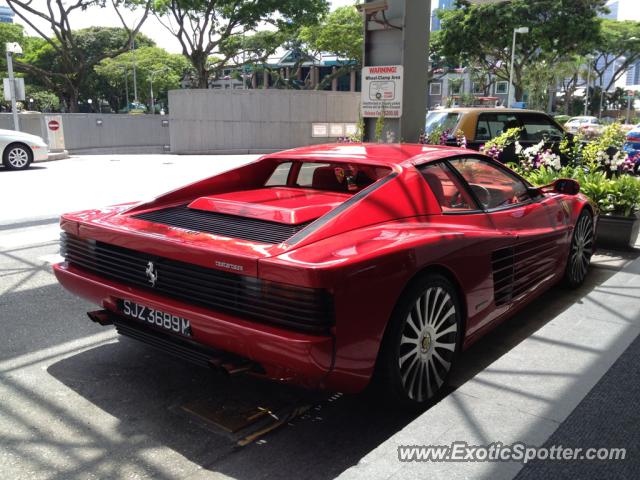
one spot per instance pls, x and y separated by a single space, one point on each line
414 364
17 156
580 250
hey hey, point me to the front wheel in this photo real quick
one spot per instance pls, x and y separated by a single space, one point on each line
580 250
422 342
17 157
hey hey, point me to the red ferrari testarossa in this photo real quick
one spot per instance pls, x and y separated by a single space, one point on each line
331 265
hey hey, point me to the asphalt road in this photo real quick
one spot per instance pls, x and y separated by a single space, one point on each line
79 402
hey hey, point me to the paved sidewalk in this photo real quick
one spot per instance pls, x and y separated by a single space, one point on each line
607 417
530 395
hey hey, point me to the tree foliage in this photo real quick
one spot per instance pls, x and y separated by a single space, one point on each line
74 52
206 28
167 70
45 67
9 32
618 49
340 32
483 33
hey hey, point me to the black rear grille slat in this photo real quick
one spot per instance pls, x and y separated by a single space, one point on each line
165 343
232 226
300 308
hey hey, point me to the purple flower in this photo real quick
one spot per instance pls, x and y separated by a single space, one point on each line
444 137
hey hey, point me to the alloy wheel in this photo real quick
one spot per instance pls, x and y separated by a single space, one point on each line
428 343
581 249
18 157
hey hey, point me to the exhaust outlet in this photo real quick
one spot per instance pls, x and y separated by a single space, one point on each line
231 368
102 317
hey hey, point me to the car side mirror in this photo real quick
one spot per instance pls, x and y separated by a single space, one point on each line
566 186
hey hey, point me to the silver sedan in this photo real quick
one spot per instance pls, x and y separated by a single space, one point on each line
20 149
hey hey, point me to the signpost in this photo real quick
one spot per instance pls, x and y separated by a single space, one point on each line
394 74
55 132
13 48
381 91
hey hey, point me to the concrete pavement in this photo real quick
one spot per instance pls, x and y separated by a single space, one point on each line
47 189
78 402
530 393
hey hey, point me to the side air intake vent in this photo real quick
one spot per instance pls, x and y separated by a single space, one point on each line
232 226
519 269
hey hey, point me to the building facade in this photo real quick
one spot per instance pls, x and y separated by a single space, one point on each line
291 70
457 88
6 14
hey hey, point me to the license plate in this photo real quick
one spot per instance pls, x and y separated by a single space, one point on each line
157 318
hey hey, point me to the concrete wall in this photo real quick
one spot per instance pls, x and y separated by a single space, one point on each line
83 132
29 123
253 121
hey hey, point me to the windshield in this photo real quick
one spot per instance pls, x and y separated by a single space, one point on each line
441 121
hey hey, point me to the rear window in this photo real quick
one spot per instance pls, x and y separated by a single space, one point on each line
441 121
490 125
328 176
539 127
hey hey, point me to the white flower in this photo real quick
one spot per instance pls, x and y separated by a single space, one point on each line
550 159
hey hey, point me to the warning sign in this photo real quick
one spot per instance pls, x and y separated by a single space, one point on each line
382 91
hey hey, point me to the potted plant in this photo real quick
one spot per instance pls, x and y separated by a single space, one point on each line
619 203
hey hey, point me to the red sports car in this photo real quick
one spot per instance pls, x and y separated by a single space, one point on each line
329 266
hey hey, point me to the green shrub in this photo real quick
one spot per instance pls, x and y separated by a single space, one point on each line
618 195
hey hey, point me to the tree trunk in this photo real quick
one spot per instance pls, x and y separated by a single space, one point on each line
568 96
203 78
71 99
518 89
199 62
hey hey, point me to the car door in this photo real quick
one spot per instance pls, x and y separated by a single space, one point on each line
532 257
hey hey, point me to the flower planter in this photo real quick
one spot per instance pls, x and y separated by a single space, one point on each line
618 232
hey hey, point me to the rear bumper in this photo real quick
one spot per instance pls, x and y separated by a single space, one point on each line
283 355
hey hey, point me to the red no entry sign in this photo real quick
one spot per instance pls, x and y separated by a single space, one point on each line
54 125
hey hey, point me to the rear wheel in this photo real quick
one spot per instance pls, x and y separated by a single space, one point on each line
421 343
17 156
580 250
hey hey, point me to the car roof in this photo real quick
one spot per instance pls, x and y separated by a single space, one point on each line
486 110
389 154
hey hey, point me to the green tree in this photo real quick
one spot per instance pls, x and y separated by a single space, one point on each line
570 72
167 69
43 100
483 33
9 32
73 53
206 28
617 50
340 33
45 67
